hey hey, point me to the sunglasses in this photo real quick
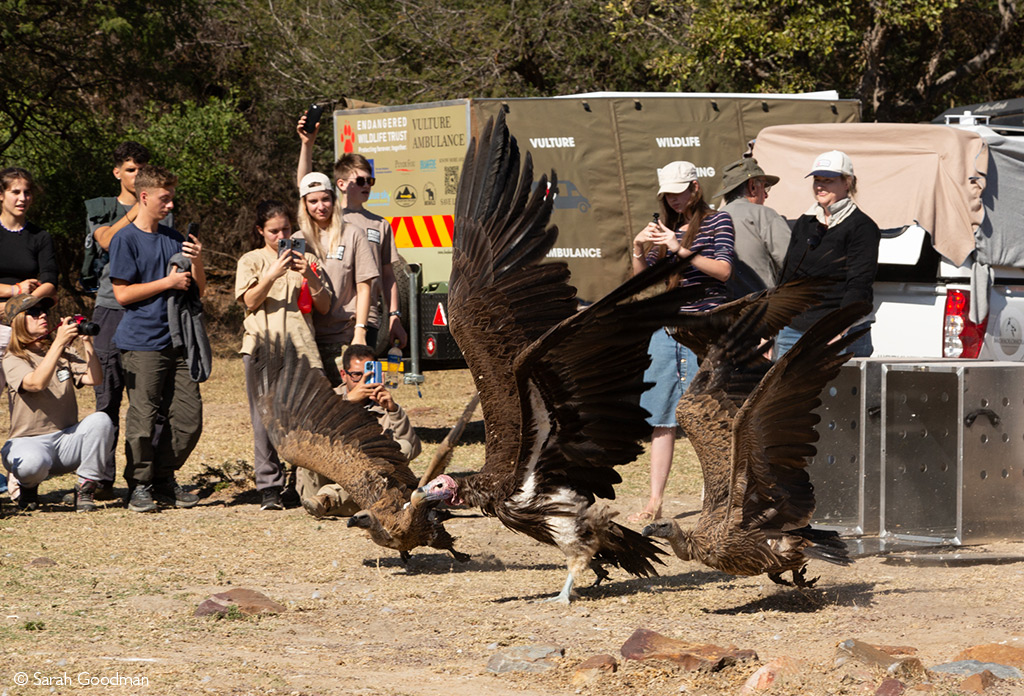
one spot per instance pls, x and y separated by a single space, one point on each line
365 180
35 312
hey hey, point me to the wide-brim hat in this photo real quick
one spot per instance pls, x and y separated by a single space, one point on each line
22 303
676 177
832 164
313 182
740 172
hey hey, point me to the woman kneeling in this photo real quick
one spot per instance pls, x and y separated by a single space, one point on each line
47 439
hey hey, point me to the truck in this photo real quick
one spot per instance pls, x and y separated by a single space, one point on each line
604 148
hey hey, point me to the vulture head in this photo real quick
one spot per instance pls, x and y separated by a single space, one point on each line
442 489
668 529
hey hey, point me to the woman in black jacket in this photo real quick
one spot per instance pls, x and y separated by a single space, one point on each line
834 239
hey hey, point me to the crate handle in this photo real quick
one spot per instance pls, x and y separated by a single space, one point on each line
993 418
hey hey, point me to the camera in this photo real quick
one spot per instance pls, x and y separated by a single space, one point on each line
374 373
86 327
286 245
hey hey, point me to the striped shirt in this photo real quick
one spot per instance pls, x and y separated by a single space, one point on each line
715 240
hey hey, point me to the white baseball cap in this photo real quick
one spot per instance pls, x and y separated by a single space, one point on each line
676 177
832 163
313 182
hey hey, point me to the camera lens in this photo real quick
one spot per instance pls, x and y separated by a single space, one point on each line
88 328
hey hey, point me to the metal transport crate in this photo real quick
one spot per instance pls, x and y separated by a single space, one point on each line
952 452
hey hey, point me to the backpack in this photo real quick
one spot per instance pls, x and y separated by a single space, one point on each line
98 212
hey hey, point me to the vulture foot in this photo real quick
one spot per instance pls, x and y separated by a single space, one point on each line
777 579
600 572
459 556
405 556
800 579
565 596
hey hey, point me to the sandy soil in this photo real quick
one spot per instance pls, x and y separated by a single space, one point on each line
117 596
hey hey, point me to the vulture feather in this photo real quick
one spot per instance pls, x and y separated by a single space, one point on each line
753 447
313 427
559 389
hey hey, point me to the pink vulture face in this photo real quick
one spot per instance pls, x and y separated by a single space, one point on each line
443 488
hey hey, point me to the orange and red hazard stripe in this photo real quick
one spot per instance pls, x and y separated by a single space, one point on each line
419 231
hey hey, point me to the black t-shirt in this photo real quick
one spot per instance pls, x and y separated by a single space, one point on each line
26 254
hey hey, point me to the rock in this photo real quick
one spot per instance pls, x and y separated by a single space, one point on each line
897 650
969 667
42 562
859 651
767 676
994 652
890 687
645 644
525 658
594 667
926 688
248 602
977 683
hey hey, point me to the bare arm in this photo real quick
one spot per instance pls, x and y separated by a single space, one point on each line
129 293
94 375
104 235
40 378
305 149
362 312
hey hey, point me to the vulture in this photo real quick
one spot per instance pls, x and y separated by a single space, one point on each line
559 388
751 424
313 427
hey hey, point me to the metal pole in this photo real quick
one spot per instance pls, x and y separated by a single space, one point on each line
414 376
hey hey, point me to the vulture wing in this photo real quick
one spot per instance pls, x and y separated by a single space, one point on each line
500 300
580 387
313 427
774 432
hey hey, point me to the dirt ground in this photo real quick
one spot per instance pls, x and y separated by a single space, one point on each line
112 595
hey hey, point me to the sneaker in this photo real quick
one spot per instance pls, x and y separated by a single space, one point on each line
318 506
85 496
141 499
170 492
290 498
272 499
28 498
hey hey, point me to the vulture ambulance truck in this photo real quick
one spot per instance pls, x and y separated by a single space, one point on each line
605 149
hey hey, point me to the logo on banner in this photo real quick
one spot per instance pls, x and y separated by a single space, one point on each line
348 138
687 141
549 143
405 195
568 196
429 194
439 316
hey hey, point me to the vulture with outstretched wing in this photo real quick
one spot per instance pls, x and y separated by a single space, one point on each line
559 389
753 449
313 427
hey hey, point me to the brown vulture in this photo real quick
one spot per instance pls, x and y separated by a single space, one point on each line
751 424
313 427
559 389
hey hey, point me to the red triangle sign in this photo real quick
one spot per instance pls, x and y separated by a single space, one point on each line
439 318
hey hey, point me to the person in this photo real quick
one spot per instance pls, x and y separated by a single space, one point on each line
27 261
350 268
157 376
686 223
268 284
321 497
46 437
353 175
105 217
836 239
762 235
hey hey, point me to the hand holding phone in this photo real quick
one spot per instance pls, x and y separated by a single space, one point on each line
313 114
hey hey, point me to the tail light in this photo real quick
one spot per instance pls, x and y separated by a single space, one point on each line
961 337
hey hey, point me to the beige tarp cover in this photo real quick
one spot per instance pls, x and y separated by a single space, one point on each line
906 173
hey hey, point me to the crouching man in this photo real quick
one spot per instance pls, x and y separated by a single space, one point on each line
47 439
321 497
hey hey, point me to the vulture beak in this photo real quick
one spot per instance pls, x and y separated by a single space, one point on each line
361 519
658 529
419 496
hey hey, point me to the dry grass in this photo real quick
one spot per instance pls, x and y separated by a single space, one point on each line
119 590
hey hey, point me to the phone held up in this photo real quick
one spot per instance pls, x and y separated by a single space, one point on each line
285 246
193 231
313 114
373 371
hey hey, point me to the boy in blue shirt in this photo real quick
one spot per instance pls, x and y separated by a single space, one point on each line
157 377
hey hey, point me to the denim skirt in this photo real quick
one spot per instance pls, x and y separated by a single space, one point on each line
673 365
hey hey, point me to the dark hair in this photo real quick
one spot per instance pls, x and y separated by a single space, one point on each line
11 174
151 176
130 150
265 210
350 162
355 351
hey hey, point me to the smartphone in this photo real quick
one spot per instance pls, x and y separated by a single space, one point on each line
193 231
372 370
296 245
313 114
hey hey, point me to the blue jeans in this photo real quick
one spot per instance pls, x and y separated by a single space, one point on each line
787 338
672 367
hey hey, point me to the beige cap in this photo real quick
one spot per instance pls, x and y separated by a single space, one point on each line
832 163
676 177
313 182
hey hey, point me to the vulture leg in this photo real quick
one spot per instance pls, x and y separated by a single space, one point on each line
565 596
459 556
800 579
405 556
777 579
600 572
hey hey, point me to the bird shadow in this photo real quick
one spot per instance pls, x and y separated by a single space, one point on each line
808 600
472 435
441 563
